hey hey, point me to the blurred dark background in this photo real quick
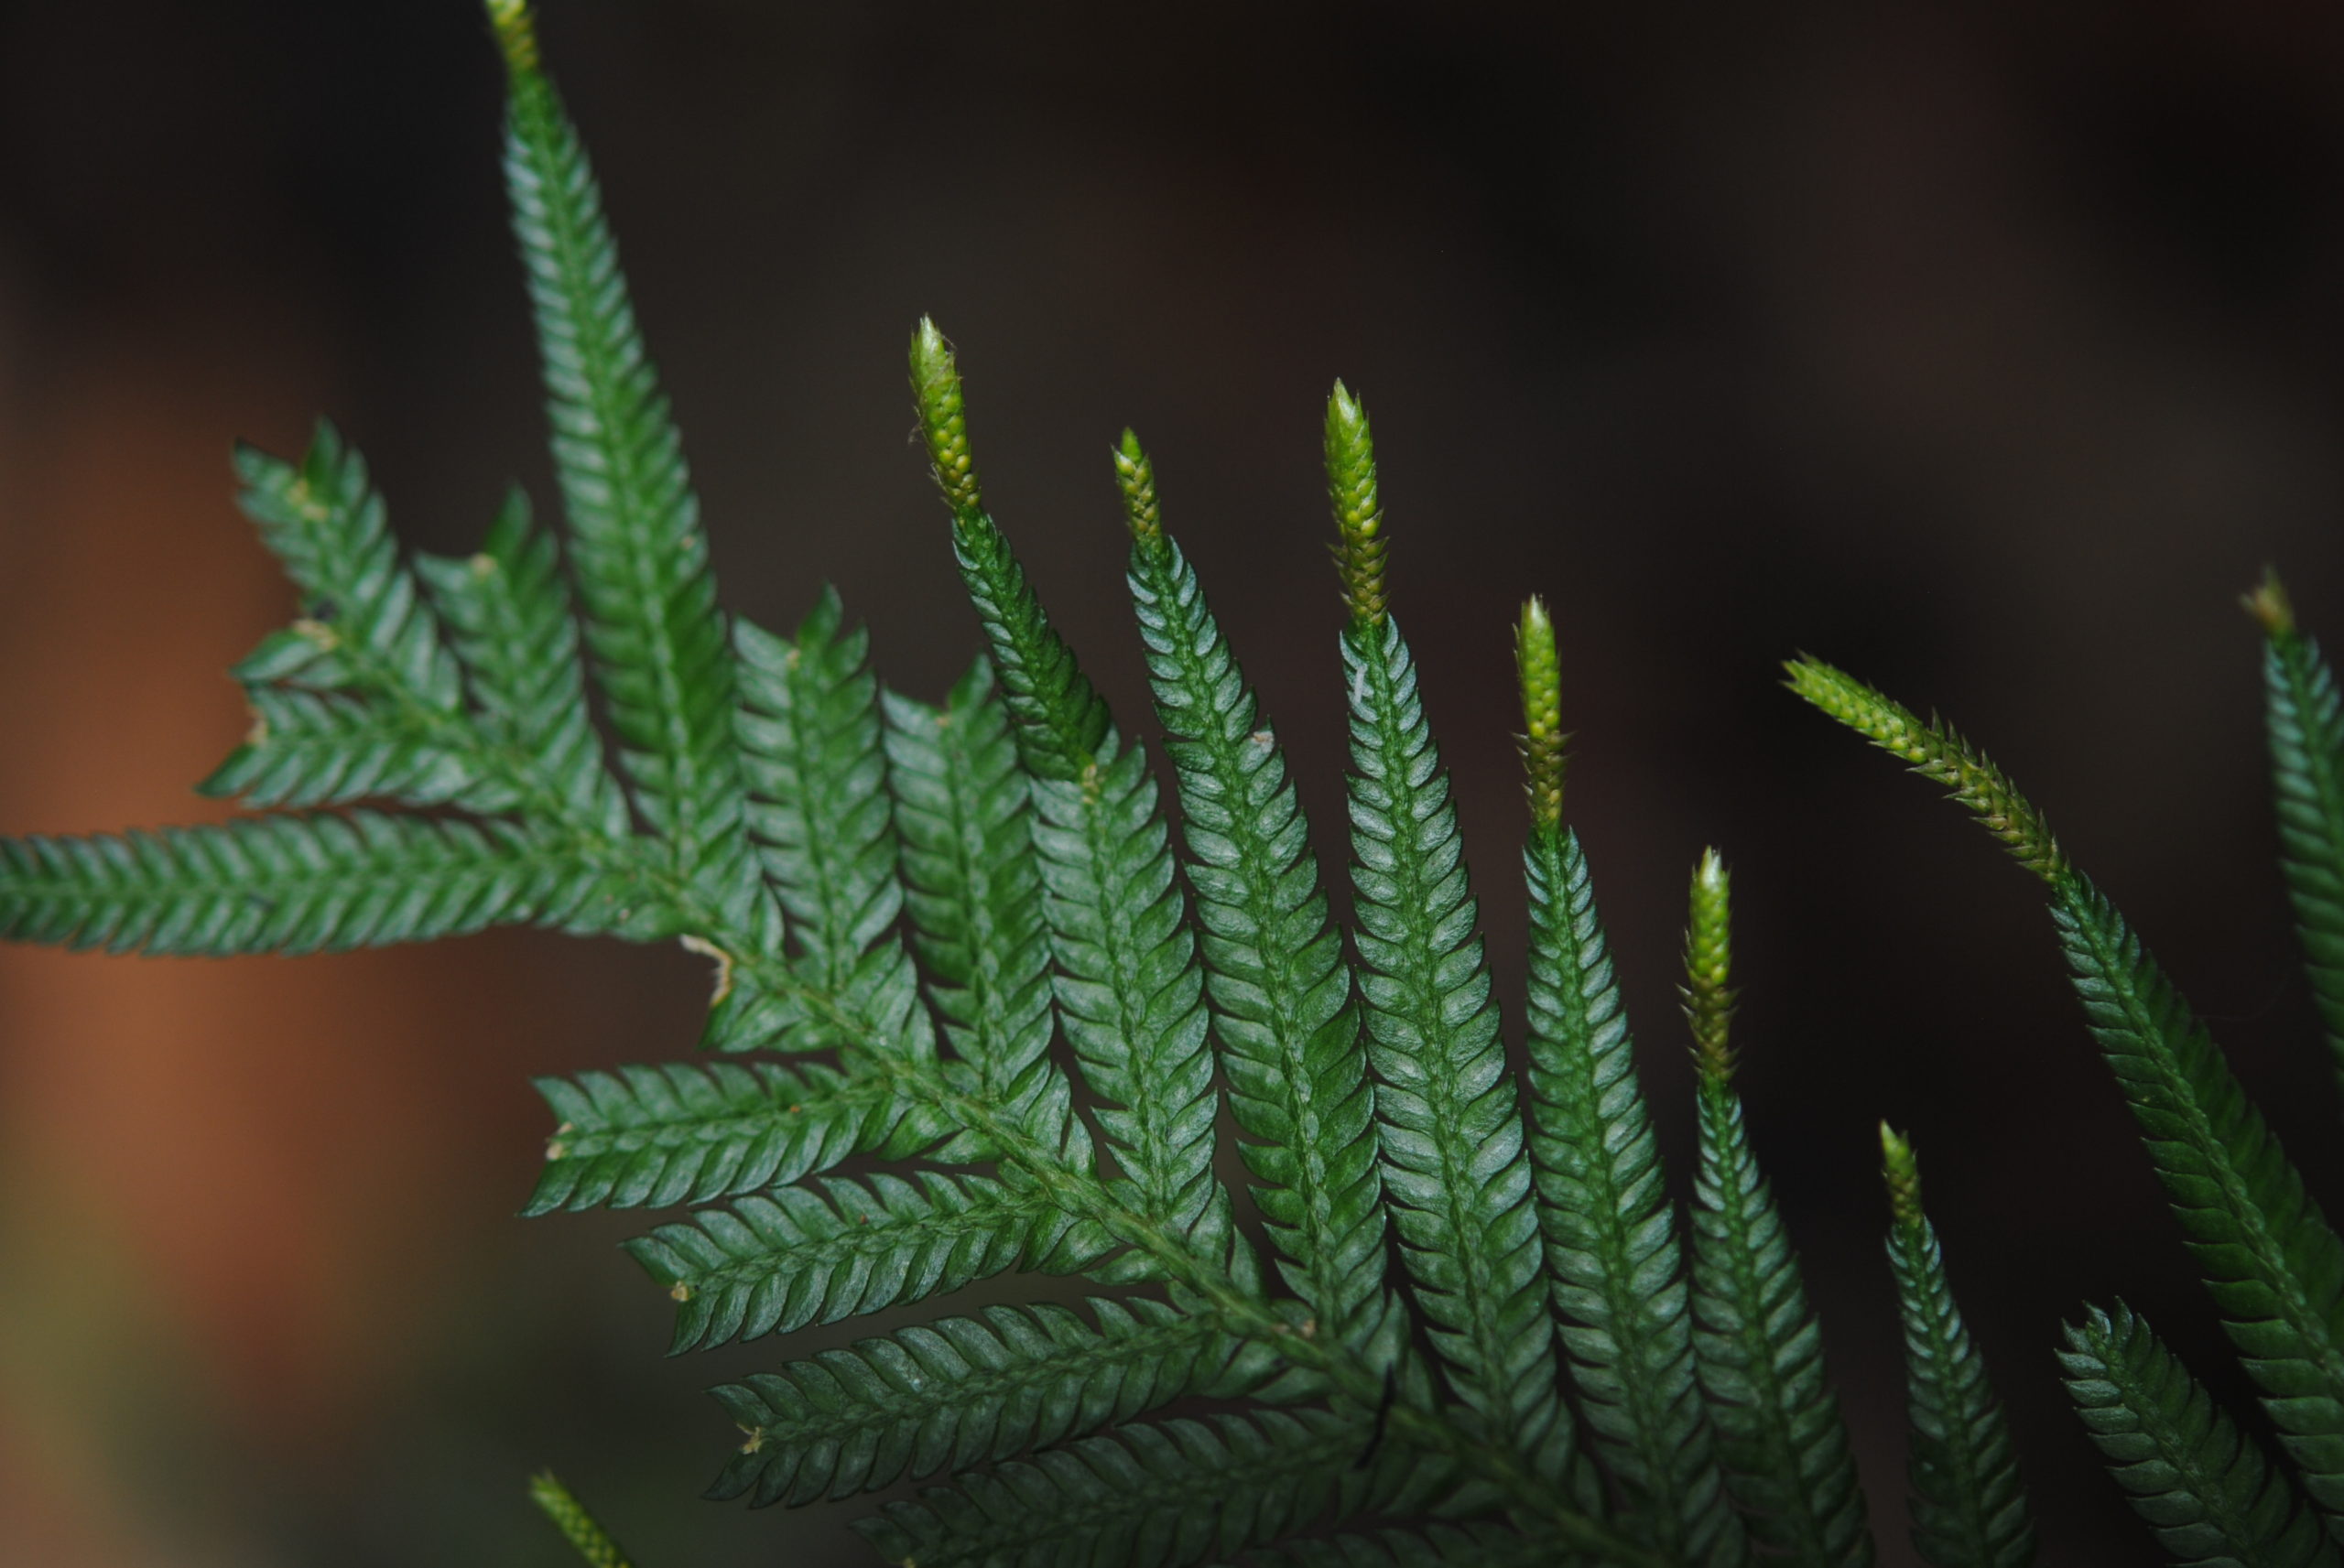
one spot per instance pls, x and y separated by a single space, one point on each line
1989 349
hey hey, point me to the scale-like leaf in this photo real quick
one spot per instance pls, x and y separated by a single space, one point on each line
1968 1504
2204 1488
654 1136
964 1391
1453 1156
1757 1342
2306 723
1281 991
284 884
794 1256
1142 1496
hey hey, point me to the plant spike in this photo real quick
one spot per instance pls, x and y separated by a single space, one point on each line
2204 1488
1968 1504
1281 991
2274 1266
578 1527
1612 1246
1454 1161
2306 723
1130 992
641 558
1757 1342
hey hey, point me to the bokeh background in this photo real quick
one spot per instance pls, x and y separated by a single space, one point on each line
1989 348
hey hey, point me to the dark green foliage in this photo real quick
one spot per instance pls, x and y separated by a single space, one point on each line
578 1527
2305 721
2204 1489
1968 1504
964 1391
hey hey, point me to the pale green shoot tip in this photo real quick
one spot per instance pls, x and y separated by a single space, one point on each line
578 1527
1901 1168
2270 606
1708 967
944 421
516 33
1539 667
1358 507
1136 478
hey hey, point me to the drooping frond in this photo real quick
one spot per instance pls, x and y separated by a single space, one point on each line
587 1537
1968 1504
1936 753
966 1391
284 884
975 894
1145 1497
1611 1243
2205 1489
1451 1131
655 1137
1757 1342
2272 1262
2306 724
635 541
794 1256
1281 991
508 608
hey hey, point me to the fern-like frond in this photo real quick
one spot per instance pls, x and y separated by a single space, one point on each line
2204 1488
309 747
2272 1262
1143 1496
2304 720
1451 1131
635 540
966 1391
1968 1504
1757 1342
794 1256
655 1137
1436 1546
974 891
285 884
1611 1242
585 1534
1281 991
508 608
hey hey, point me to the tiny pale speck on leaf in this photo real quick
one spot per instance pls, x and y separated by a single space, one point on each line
679 1292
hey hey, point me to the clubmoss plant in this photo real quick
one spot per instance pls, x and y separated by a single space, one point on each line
958 945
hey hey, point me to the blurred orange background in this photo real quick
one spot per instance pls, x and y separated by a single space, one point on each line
1987 349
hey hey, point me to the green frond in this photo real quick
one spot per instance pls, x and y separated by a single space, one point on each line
1059 719
809 739
1756 1342
1141 1496
507 609
285 884
1612 1240
1129 990
310 747
964 815
1435 1546
2306 724
774 1264
1358 506
1968 1504
2205 1489
1449 1130
655 1137
2274 1266
635 540
1935 752
578 1527
1539 672
966 1391
1280 989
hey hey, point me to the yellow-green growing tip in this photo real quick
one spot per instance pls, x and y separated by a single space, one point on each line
1708 967
586 1537
944 420
1359 508
1901 1168
1540 669
1136 478
516 33
2269 604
